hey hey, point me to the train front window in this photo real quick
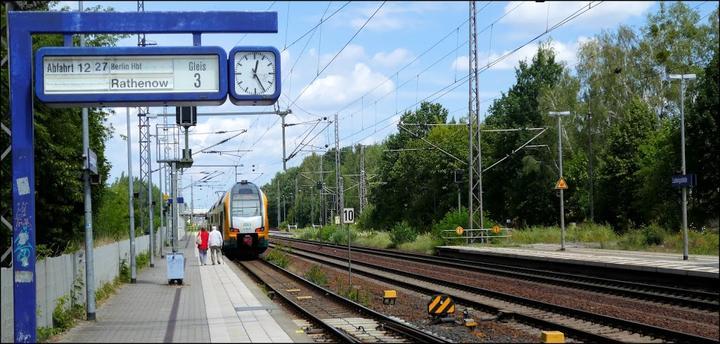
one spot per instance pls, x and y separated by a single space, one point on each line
246 206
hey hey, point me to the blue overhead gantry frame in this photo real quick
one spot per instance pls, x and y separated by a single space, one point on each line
22 25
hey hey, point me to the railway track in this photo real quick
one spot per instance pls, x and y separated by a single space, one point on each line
344 319
695 299
579 324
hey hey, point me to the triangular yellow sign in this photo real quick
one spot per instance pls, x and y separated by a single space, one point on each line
561 184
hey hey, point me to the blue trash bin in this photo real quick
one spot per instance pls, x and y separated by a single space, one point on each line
175 267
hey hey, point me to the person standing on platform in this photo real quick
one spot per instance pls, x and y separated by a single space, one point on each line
216 241
202 241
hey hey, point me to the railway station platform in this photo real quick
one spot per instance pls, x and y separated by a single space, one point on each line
215 304
696 266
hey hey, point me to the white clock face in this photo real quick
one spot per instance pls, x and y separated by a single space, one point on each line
255 72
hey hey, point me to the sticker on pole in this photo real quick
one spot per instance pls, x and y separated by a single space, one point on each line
561 184
349 215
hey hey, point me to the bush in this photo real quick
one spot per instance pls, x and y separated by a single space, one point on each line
316 275
452 220
424 243
364 221
402 233
654 235
373 239
307 233
142 260
124 272
339 237
325 232
278 257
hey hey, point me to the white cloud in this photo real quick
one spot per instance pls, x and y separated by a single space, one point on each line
460 64
605 15
393 58
563 52
394 15
351 54
334 90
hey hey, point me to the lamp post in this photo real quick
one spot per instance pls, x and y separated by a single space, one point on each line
682 78
560 155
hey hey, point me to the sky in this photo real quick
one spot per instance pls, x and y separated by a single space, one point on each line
367 62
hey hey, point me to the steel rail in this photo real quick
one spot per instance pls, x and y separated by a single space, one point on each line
404 329
339 333
670 295
640 328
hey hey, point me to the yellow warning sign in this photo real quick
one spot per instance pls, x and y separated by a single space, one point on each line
441 305
459 230
496 229
561 184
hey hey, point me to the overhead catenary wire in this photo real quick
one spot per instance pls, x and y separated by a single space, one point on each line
449 34
567 19
337 54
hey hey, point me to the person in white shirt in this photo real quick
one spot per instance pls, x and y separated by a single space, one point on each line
216 242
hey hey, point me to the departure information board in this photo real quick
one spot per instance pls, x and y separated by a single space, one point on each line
131 76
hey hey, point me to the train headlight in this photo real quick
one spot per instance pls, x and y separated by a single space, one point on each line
259 230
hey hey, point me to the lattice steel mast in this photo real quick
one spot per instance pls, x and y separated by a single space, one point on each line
144 200
475 151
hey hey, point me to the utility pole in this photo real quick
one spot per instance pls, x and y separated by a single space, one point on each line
282 117
363 181
475 150
89 249
131 210
144 158
192 202
340 197
590 160
682 78
278 203
149 199
338 176
560 155
161 205
322 196
175 205
295 203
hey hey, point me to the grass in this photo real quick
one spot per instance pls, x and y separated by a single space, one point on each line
423 243
278 257
373 239
316 275
651 238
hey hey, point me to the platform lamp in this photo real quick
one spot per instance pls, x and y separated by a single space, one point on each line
559 114
682 78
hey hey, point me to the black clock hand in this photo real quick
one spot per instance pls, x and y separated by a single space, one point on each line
256 65
258 80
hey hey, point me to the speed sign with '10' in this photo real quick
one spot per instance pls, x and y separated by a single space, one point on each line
348 215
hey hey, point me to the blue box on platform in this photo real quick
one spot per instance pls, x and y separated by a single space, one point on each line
175 266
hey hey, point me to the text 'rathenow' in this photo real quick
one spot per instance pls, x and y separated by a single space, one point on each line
137 84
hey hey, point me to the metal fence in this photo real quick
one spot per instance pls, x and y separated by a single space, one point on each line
481 235
56 277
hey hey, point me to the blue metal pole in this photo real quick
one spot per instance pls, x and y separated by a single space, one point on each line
21 26
23 185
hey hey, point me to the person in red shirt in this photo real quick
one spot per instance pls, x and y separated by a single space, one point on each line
202 239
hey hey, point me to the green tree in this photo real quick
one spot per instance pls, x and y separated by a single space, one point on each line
413 171
619 165
520 187
58 156
703 145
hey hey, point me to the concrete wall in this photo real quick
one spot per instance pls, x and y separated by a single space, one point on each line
55 277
